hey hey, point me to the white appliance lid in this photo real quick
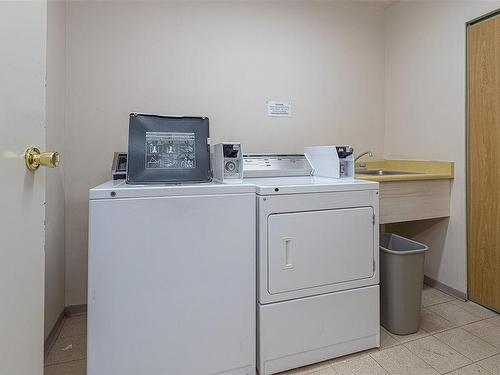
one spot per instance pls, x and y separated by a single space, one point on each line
308 184
120 189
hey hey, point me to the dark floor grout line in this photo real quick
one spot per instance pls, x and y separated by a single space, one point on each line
460 326
468 332
399 343
439 372
458 307
380 364
84 336
470 359
51 346
437 338
64 362
470 364
410 340
439 303
439 332
60 331
67 337
329 367
451 371
479 337
367 352
455 327
403 345
493 355
66 320
487 371
476 363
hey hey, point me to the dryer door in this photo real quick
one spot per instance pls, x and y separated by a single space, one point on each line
318 248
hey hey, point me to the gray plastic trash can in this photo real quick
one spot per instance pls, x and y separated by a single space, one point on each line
401 281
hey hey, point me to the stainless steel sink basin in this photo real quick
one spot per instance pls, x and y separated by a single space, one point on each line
380 172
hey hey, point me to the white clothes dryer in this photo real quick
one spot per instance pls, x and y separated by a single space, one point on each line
317 258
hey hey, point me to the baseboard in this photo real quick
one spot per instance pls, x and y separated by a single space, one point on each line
53 335
445 288
75 310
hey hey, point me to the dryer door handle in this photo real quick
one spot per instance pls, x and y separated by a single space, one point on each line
287 253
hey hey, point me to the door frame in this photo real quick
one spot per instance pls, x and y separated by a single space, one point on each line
485 17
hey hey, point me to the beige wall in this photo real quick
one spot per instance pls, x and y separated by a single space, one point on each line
55 127
425 112
223 60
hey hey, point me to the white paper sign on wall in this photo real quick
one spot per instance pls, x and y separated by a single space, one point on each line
279 108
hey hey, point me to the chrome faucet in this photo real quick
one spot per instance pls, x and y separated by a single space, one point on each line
362 164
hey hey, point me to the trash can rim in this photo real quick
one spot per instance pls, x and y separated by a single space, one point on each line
423 248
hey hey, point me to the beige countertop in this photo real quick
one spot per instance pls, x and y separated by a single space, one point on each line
421 170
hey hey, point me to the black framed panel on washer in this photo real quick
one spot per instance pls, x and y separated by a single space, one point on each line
166 149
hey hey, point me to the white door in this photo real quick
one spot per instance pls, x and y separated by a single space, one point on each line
318 248
22 116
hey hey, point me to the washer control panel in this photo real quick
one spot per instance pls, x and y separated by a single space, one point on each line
228 161
119 167
276 165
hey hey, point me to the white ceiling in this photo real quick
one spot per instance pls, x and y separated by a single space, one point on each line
383 4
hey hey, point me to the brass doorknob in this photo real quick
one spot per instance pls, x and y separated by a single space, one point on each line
34 158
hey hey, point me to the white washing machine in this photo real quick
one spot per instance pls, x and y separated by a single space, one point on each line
317 249
171 279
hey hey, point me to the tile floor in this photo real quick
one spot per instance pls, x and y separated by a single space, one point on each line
455 338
